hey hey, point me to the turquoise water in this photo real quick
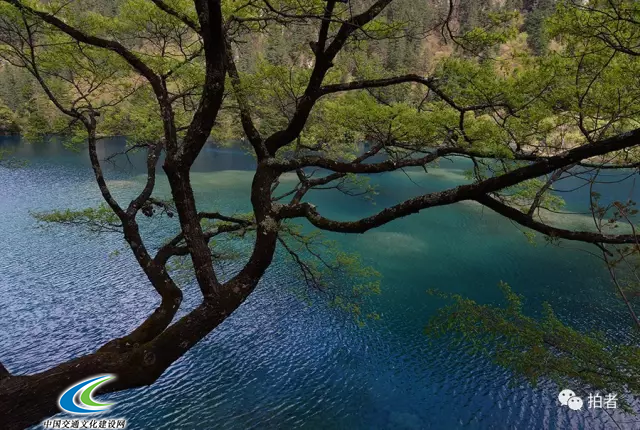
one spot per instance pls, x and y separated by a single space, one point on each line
280 362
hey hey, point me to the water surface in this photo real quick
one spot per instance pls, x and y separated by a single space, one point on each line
279 361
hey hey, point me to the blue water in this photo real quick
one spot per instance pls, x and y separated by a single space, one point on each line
281 361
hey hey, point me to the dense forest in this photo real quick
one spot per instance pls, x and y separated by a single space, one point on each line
25 108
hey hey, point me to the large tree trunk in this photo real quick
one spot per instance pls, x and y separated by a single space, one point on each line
28 400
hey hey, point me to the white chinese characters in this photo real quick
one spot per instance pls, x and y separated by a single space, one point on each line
610 401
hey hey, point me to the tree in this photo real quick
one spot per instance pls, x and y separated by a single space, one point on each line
166 73
534 25
7 120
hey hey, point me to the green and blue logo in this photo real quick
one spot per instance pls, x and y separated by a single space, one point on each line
78 399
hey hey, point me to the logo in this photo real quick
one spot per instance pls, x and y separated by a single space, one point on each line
78 399
569 398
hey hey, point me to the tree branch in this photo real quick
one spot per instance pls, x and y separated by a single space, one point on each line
464 192
210 17
181 16
307 184
357 166
527 221
225 218
430 82
245 111
540 194
153 154
324 61
111 45
90 124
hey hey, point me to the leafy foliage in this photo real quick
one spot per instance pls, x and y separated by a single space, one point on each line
538 349
8 122
96 220
325 267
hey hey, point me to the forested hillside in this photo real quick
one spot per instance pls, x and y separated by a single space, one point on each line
414 48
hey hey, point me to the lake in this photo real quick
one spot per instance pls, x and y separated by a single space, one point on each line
287 358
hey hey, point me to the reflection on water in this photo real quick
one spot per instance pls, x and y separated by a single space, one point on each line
279 362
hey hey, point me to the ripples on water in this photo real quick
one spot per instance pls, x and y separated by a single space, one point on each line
279 362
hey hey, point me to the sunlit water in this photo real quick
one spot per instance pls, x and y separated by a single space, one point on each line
280 361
